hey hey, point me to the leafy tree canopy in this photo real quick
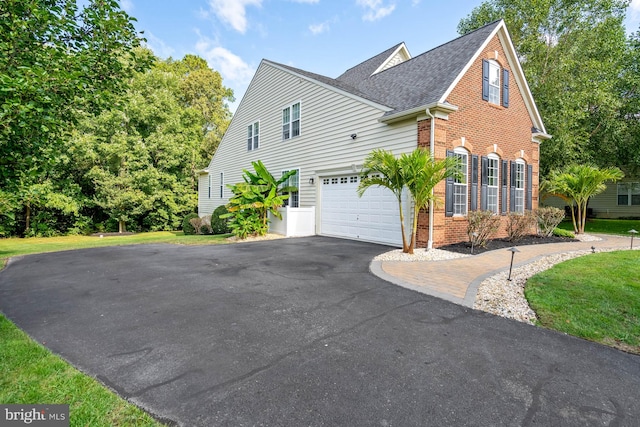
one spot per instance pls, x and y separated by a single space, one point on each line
57 61
573 53
140 160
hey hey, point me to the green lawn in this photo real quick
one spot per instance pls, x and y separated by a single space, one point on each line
32 374
16 246
595 297
605 226
29 373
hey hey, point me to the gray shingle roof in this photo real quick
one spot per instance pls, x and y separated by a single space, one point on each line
355 75
417 82
425 78
331 82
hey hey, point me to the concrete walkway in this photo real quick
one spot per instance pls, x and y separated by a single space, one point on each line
457 280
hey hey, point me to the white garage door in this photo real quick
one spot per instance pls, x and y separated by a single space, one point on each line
374 217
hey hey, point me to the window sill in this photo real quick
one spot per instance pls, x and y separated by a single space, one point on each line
496 106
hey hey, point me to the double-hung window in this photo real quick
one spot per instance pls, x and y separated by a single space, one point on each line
460 192
291 121
519 190
221 185
493 182
629 194
494 83
253 136
293 181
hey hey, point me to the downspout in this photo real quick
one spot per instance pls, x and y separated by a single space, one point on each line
432 150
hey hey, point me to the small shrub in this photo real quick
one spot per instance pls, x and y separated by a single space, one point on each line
187 227
201 225
220 225
519 225
482 226
548 219
559 232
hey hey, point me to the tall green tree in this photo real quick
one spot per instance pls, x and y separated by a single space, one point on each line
576 184
417 171
56 61
140 160
573 54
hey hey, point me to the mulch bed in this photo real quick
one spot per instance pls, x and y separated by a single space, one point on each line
465 247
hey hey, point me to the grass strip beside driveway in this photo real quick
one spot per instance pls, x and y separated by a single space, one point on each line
31 374
595 297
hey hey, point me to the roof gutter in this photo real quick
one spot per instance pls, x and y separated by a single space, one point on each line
440 110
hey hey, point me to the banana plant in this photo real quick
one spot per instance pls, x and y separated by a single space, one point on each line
260 193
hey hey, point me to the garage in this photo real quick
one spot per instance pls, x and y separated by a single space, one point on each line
374 217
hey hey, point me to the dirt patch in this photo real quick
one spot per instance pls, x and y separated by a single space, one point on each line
110 234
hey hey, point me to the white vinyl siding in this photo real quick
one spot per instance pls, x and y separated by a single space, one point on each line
460 190
325 146
493 183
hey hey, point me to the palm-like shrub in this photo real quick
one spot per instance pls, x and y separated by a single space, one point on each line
417 171
576 185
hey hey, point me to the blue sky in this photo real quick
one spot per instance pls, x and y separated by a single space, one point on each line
323 36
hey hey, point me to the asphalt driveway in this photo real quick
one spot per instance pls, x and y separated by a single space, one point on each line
297 332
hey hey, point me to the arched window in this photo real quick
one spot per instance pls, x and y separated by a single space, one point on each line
520 167
460 190
493 182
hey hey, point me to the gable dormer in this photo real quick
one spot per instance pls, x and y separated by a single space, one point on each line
400 55
382 61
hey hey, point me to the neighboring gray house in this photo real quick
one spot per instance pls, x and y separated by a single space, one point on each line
467 98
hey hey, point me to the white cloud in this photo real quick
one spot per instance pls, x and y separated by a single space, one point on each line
306 1
158 46
634 9
127 6
233 12
319 28
230 65
633 17
375 9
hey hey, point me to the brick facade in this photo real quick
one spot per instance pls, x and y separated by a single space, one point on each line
480 128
